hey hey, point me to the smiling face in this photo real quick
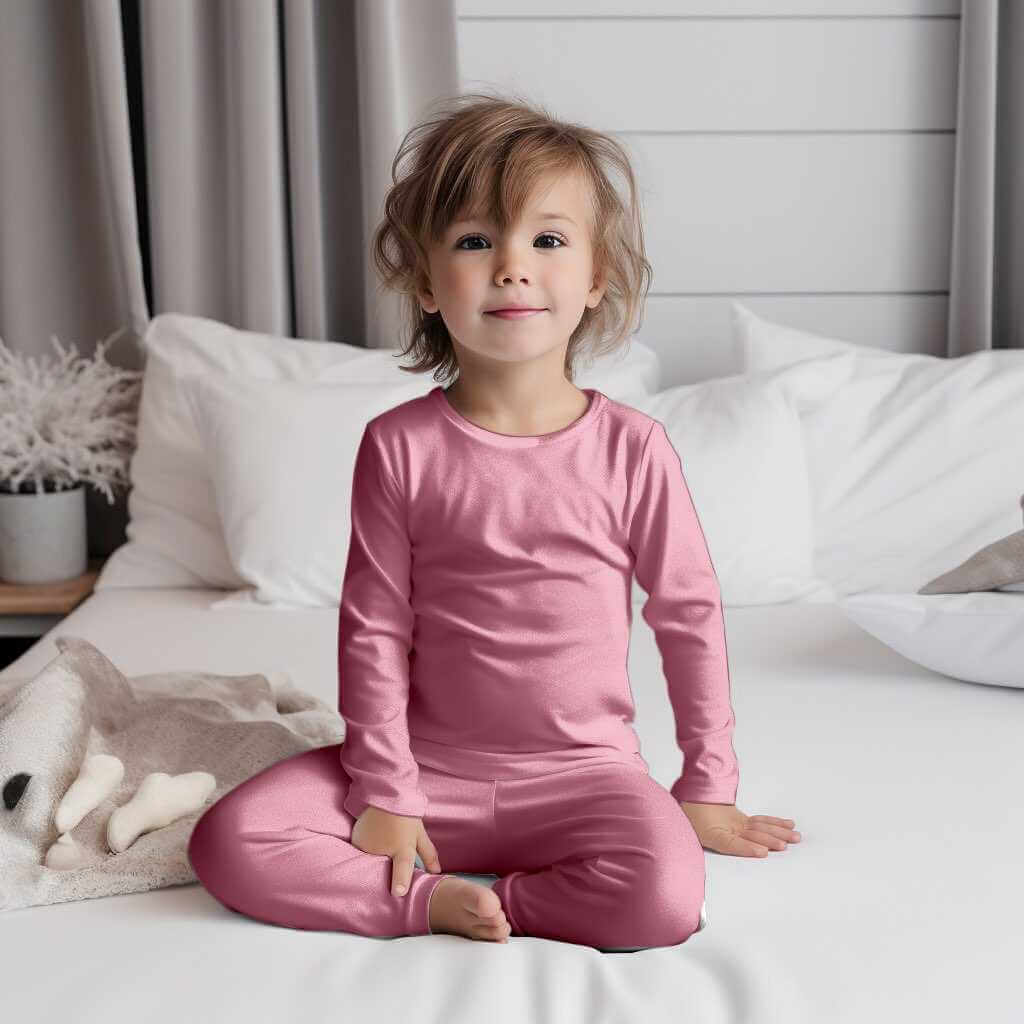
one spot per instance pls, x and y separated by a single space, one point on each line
544 262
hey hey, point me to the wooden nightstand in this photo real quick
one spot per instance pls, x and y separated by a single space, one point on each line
28 610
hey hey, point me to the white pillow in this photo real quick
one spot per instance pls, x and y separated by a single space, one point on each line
741 450
915 461
629 375
977 637
174 532
281 456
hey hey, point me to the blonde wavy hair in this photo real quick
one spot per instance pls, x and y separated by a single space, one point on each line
482 155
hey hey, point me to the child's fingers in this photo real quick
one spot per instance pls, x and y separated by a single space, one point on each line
778 831
402 864
765 839
771 820
736 845
746 848
428 852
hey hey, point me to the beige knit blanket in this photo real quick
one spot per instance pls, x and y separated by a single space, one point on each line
175 722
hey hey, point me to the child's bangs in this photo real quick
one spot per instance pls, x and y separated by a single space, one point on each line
494 184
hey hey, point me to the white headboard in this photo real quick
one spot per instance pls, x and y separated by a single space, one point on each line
797 156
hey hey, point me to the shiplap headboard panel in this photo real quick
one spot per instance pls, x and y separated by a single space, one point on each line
796 156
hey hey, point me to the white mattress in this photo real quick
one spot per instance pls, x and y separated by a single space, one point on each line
904 900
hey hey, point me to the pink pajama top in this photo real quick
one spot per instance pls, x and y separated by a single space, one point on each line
486 607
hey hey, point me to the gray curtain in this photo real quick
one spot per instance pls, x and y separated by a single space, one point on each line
222 158
986 298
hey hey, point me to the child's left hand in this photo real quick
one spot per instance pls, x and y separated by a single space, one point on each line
724 828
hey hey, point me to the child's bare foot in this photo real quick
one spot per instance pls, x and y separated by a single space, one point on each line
461 907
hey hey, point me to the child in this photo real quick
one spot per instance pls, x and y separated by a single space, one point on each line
485 613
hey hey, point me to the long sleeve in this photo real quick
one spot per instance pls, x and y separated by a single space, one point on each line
375 627
684 609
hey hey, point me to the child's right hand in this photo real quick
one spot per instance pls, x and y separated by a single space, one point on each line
398 837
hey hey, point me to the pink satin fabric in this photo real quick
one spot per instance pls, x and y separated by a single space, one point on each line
485 615
599 855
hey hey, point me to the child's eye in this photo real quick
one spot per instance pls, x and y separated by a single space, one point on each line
546 234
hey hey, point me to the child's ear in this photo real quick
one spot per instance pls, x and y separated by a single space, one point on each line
597 289
423 292
427 301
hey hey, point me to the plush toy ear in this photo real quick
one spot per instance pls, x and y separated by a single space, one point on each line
159 800
101 774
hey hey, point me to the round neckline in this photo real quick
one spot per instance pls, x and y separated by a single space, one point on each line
594 407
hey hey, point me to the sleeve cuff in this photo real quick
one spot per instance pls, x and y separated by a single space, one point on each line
699 792
413 807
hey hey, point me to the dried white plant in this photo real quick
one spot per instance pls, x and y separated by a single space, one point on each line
66 421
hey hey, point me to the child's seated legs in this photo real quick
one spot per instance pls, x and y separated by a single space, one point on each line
276 848
602 856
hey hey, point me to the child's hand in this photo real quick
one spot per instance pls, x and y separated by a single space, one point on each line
398 837
726 829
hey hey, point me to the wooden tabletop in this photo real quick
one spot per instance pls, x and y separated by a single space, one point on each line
48 598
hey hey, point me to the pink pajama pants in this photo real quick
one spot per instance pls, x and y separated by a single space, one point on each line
599 855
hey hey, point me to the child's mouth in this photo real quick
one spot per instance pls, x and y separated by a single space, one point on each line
513 314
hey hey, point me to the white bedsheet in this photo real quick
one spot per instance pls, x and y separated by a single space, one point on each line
903 902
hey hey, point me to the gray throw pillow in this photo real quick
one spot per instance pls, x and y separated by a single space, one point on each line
997 566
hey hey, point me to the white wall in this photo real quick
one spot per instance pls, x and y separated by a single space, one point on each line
796 155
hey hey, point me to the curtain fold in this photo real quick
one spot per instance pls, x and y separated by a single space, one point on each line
69 260
116 195
1008 318
987 257
407 45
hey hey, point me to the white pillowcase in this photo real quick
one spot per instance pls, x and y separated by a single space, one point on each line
630 375
915 461
281 456
740 445
977 637
174 532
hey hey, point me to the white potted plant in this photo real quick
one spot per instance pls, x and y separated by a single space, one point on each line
63 424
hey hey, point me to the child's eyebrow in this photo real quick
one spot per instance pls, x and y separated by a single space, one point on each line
539 216
555 216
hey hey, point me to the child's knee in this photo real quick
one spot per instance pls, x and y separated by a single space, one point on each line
668 888
213 836
670 913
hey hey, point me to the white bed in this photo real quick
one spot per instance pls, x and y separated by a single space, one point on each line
903 901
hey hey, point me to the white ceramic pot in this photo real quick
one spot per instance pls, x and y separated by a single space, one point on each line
43 537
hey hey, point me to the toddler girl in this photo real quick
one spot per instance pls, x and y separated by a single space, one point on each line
485 613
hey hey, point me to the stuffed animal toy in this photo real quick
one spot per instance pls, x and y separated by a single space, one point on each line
103 778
